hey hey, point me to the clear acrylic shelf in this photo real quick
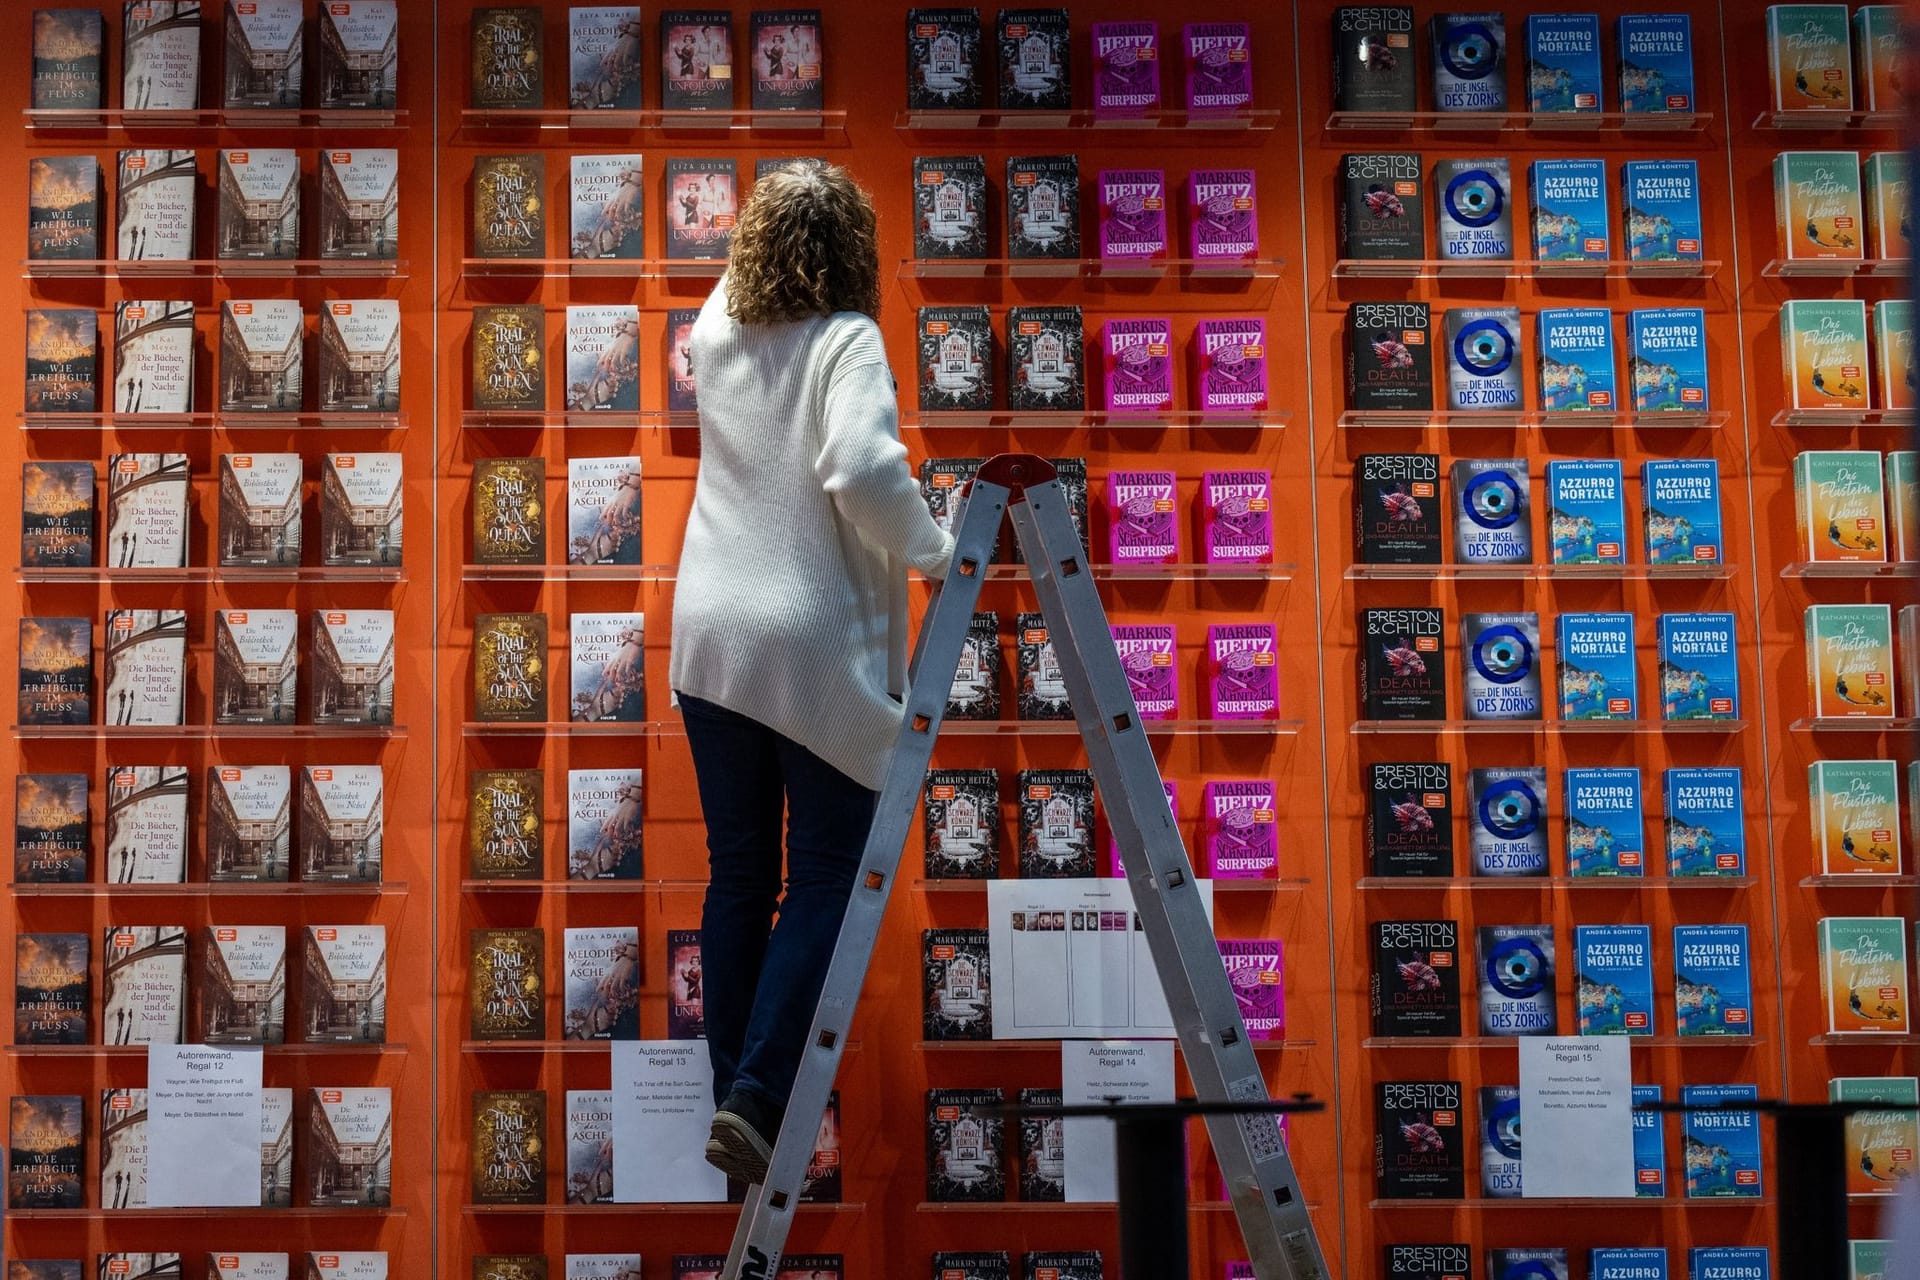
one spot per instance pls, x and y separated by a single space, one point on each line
1495 1042
700 1208
1865 881
580 268
199 732
1088 269
1634 124
1851 569
1844 418
292 1049
197 122
1633 884
1863 1039
1092 420
1855 724
722 120
1581 420
342 575
1141 573
177 422
588 887
1595 728
1686 571
344 1214
1610 1203
1832 121
565 419
214 889
1248 885
1153 728
1070 1208
1522 269
573 729
1831 269
1163 121
569 572
215 269
1053 1046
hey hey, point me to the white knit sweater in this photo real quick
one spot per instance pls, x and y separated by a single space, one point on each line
790 603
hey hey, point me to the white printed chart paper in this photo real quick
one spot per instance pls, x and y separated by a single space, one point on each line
662 1111
1576 1096
203 1126
1103 1071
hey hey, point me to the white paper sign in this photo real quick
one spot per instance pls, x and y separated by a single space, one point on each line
203 1126
1576 1096
662 1112
1101 1071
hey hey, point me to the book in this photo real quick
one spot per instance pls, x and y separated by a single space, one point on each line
1238 831
603 358
1229 359
1116 861
1850 661
1035 59
154 203
1613 979
1863 974
1483 359
1627 1263
69 49
1823 353
1255 971
1409 831
1594 659
1733 1262
153 359
350 677
1415 983
148 496
589 1148
56 671
52 988
1879 46
698 1266
1605 829
1500 666
686 999
1082 1264
52 828
1492 511
1389 359
822 1266
507 58
510 206
603 1266
956 991
247 1266
1133 215
262 357
342 823
1403 674
966 1145
1810 57
249 822
1137 366
961 824
1855 808
702 207
63 360
603 58
603 510
1507 821
1660 206
950 207
255 666
63 208
1655 52
510 1266
509 358
1218 58
1500 1163
949 1264
682 392
1649 1144
1880 1144
1563 63
57 514
1418 1145
1236 512
1126 68
696 51
1839 505
1469 61
1043 1159
46 1148
510 667
1568 199
1243 671
505 824
1818 206
1056 824
1043 207
1473 211
1527 1264
1517 995
1699 670
240 985
1667 359
1680 509
1374 70
506 984
1712 980
509 1150
1894 375
1574 360
975 691
146 667
260 509
361 509
944 70
343 988
601 986
146 824
357 54
1396 508
1382 207
786 49
608 199
349 1160
1705 826
608 667
1586 513
265 59
510 511
1884 185
1721 1147
259 204
1142 517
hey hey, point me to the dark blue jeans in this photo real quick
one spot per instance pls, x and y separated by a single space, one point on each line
762 977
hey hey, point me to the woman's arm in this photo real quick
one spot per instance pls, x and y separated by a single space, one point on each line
862 465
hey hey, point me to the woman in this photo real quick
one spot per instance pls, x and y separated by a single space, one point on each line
789 615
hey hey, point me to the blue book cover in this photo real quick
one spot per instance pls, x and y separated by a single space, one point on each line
1500 1142
1569 204
1574 360
1656 62
1680 507
1469 61
1627 1264
1507 821
1527 1264
1563 62
1605 834
1587 511
1699 670
1660 208
1613 979
1729 1262
1712 980
1517 992
1598 679
1649 1144
1705 822
1667 359
1722 1148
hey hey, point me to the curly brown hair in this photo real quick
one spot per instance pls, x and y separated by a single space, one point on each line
806 244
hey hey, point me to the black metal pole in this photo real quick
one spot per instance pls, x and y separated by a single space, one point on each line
1811 1159
1151 1154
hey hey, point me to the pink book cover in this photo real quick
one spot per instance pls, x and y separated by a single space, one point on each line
1143 520
1219 65
1114 866
1239 827
1254 970
1223 224
1230 365
1138 365
1237 516
1146 655
1133 214
1126 68
1243 671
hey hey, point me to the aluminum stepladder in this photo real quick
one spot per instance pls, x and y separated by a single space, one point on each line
1266 1196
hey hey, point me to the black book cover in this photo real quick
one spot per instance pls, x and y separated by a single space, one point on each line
1072 474
1419 1140
1043 1154
784 46
1043 689
1373 58
1389 356
1410 819
823 1183
975 693
949 207
682 396
69 46
951 1265
1397 517
1080 1264
57 514
696 54
509 1159
1383 214
46 1147
956 359
51 988
962 824
1430 1261
63 360
1046 360
56 671
1043 207
1056 824
1036 60
966 1145
63 207
957 994
52 828
702 206
1416 978
1403 667
943 59
507 58
510 206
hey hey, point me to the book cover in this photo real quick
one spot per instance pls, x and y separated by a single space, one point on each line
1712 980
1036 61
255 666
1655 52
349 1147
943 60
608 667
510 511
1721 1147
509 1146
509 358
46 1148
56 671
605 833
1894 374
249 822
1147 657
1571 221
975 691
956 991
259 204
1133 214
510 206
819 1266
360 203
1527 1264
1056 824
1043 207
1473 209
510 667
1396 508
52 828
1219 65
603 58
1660 205
786 48
1818 206
1419 1149
57 514
1613 979
1884 187
1699 669
1484 363
1469 61
589 1148
1116 862
1810 57
1043 1162
1728 1262
507 58
260 509
154 204
262 357
69 49
682 393
1856 816
1243 671
1586 513
342 823
63 207
603 510
956 360
1840 505
1415 983
1823 353
361 509
505 824
1409 828
350 680
1389 358
702 206
52 988
1667 359
153 358
607 196
146 824
950 1264
1649 1144
1236 513
686 1000
1083 1264
603 358
510 1266
1403 674
1605 829
160 1266
1238 830
1850 661
1374 69
146 667
698 1266
506 984
1126 68
696 53
343 987
1382 207
1627 1264
601 987
247 1266
1507 821
1517 996
1880 1144
265 58
1046 360
1500 1164
1594 659
1229 359
603 1266
1880 45
1143 524
1137 366
1705 825
1255 971
1500 666
1574 360
1680 509
966 1145
961 823
357 54
1863 974
63 360
240 985
1563 62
